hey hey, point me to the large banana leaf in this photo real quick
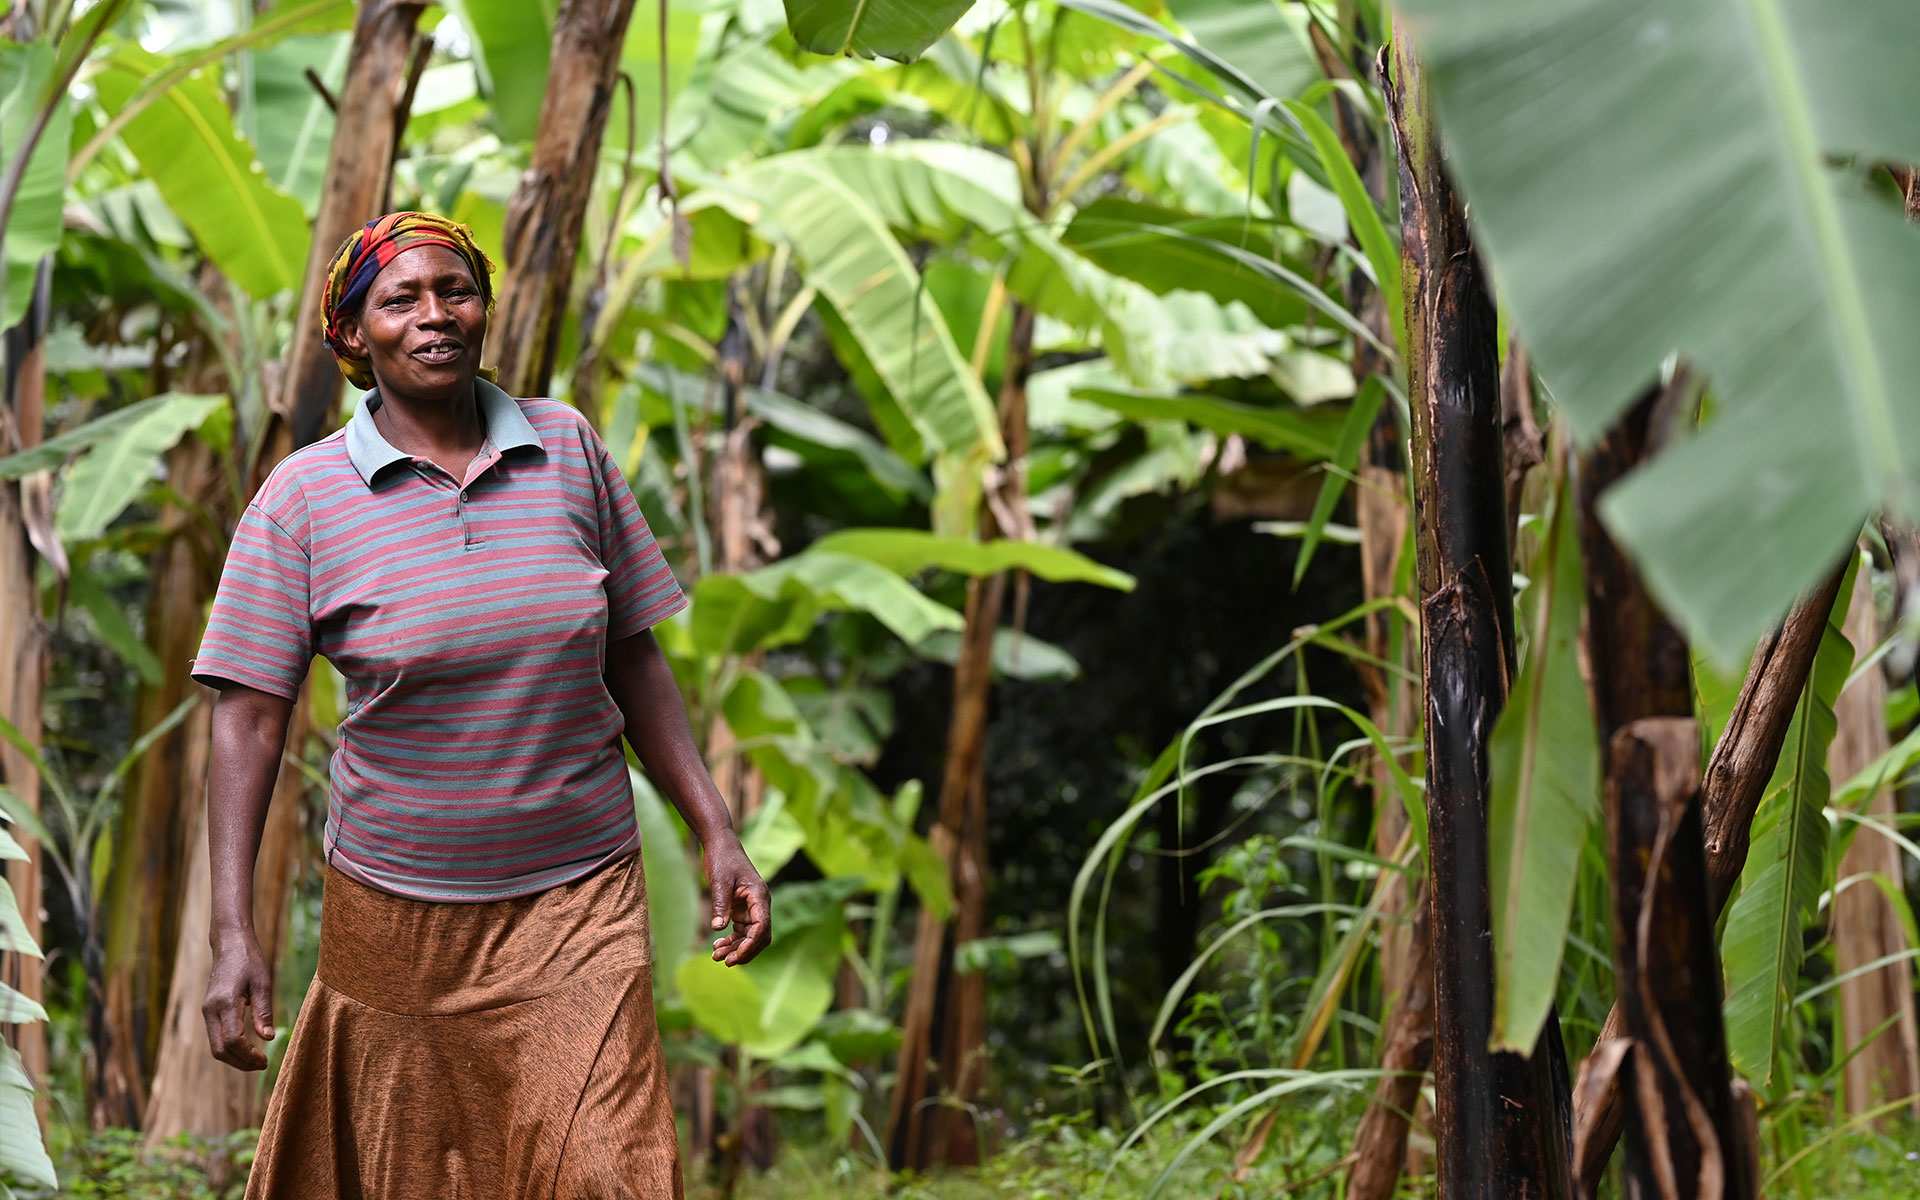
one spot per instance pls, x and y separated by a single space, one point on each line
106 479
767 1006
1686 175
1762 945
1545 765
33 226
896 29
293 124
840 236
186 143
1180 321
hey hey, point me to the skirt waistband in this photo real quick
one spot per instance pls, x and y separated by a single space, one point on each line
419 957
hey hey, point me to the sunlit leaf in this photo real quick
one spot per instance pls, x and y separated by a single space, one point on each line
896 29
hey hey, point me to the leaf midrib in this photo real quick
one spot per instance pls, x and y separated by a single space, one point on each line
1779 78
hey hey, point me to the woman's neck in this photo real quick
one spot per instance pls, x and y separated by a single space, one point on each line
421 425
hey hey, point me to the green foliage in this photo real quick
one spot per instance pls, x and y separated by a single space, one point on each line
842 242
103 481
1544 759
34 224
1800 290
1780 886
187 145
897 29
768 1006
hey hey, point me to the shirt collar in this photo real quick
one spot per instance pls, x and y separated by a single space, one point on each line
507 427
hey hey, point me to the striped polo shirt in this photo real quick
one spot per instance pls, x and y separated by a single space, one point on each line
480 755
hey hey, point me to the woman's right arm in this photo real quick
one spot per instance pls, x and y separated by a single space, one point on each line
249 734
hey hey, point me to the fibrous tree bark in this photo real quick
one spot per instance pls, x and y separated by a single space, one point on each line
1381 512
1685 1137
191 1091
942 1049
1736 777
1875 1006
549 207
1500 1119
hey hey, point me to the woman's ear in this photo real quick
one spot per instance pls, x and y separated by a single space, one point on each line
351 337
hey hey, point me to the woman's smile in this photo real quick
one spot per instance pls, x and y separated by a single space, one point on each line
441 351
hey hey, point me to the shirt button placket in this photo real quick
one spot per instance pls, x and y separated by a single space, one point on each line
466 527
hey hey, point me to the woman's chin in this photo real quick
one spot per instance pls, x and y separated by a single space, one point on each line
425 378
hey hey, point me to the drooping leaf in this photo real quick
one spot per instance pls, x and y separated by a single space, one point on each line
1544 759
14 935
1614 248
100 485
841 239
186 143
896 29
907 551
54 451
17 1007
1762 945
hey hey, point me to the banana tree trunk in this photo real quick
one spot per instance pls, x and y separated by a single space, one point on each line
1685 1135
190 1090
26 536
943 1032
1876 1005
1501 1120
548 208
1737 773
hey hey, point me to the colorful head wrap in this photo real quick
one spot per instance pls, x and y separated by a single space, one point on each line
372 247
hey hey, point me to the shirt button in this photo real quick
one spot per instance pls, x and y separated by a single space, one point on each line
463 494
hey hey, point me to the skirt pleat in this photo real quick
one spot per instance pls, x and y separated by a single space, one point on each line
506 1050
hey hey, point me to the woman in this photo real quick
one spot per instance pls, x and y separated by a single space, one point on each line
481 1023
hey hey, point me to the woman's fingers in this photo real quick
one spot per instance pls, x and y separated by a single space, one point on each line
752 893
234 991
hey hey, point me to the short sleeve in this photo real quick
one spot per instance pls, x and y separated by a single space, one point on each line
260 629
641 589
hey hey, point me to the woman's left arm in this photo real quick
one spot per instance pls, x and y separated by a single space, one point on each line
642 685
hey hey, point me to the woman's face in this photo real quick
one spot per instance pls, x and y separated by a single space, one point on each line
422 323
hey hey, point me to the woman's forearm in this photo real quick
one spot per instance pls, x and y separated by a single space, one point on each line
249 734
642 684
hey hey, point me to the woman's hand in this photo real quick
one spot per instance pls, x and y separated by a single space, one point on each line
239 987
740 896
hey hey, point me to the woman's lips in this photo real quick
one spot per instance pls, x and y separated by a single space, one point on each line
441 354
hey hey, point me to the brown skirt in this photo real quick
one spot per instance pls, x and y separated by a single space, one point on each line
497 1051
